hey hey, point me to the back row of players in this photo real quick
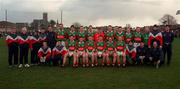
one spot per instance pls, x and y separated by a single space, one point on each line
114 47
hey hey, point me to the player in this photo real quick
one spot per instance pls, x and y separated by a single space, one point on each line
120 55
44 54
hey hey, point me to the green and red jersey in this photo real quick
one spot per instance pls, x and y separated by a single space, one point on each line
90 34
110 45
81 45
137 37
100 46
90 45
120 34
120 45
71 45
81 35
72 33
145 38
61 35
109 34
129 37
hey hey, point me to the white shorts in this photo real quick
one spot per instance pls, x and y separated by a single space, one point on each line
120 53
90 53
100 53
71 53
80 53
43 59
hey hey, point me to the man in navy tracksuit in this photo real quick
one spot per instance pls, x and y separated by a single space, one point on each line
168 38
142 54
51 37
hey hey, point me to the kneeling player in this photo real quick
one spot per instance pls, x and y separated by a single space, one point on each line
109 50
131 53
119 53
100 49
44 53
142 53
59 51
81 52
71 45
91 51
155 54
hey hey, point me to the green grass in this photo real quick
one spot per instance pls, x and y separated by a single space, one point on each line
137 77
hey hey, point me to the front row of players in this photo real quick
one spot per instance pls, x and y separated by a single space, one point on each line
100 53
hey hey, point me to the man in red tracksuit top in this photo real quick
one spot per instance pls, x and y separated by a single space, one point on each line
11 40
34 46
24 41
57 52
99 34
44 53
155 35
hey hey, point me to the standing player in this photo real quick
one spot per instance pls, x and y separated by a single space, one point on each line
72 32
109 32
129 36
51 37
34 46
168 38
81 33
11 40
61 34
24 41
98 34
119 55
90 32
146 36
137 37
120 33
155 35
42 36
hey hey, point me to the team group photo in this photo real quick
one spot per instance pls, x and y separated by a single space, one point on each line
108 46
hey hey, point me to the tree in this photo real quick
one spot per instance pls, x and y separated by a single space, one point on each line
76 24
168 20
52 22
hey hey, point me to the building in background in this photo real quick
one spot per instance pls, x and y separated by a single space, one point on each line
39 23
6 26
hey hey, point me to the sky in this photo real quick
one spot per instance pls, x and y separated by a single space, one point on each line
94 12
